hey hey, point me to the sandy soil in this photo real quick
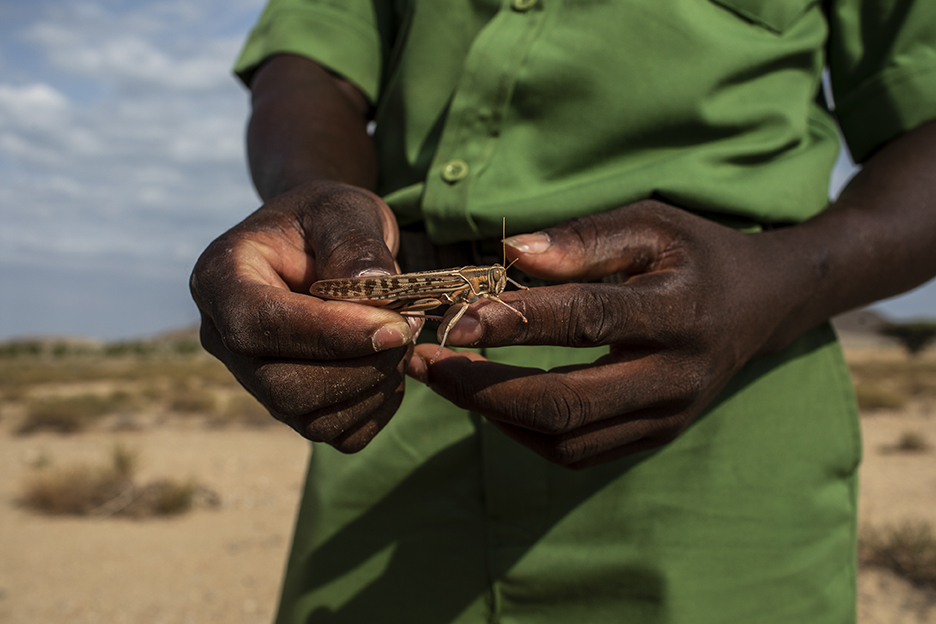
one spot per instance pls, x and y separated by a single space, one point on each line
210 565
225 564
896 488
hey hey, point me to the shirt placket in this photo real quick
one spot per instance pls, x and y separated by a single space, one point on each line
476 116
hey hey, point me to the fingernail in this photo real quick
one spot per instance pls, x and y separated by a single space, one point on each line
391 336
529 243
372 273
467 331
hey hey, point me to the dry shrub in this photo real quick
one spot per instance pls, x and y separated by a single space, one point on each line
110 490
166 497
911 442
73 413
873 397
908 549
81 489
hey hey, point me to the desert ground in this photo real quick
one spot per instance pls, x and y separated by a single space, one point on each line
182 418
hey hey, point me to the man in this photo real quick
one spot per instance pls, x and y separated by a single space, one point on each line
665 165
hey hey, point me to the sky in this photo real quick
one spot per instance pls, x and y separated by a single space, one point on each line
122 157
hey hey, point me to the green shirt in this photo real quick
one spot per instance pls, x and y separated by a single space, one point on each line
541 110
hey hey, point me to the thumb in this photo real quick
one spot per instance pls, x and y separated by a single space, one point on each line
351 232
591 247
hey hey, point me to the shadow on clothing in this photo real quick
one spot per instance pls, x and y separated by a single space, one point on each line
436 590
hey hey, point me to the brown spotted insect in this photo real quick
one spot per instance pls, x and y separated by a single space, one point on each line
424 290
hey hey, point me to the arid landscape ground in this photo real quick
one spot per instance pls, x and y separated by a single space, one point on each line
212 546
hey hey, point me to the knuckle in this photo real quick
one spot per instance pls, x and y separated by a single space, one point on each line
594 320
351 445
565 452
285 391
687 382
239 341
259 328
559 411
237 327
351 425
327 429
582 230
694 383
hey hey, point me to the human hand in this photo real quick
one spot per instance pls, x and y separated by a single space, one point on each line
697 301
334 371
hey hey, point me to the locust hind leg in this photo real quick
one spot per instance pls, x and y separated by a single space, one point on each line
448 328
506 305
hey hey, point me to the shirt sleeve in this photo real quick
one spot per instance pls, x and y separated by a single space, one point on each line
342 35
882 60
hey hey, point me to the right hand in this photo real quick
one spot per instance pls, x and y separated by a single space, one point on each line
332 370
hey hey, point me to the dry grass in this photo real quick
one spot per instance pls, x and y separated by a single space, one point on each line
80 489
194 401
892 384
908 377
908 549
912 442
909 442
110 490
70 414
872 397
68 388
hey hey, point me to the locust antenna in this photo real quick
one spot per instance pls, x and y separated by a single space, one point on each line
504 243
504 240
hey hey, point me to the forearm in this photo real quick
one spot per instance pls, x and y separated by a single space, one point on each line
307 125
877 240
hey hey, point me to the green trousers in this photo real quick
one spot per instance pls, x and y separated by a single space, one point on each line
748 517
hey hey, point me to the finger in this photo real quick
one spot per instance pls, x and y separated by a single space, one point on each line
563 399
324 401
256 320
296 386
423 354
578 315
590 446
630 240
350 232
350 426
555 414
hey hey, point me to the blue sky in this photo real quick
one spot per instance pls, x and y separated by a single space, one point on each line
121 158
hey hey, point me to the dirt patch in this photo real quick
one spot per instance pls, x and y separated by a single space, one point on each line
224 564
210 565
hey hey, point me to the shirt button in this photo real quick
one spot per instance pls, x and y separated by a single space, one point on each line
454 170
523 5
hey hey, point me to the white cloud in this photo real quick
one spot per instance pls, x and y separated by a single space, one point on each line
122 146
131 60
141 49
32 105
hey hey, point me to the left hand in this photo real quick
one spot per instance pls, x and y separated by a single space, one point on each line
697 301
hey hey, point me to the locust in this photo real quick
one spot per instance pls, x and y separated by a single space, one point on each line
409 293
